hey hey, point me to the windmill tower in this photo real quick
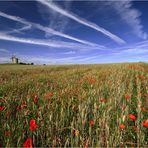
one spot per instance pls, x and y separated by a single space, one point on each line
14 60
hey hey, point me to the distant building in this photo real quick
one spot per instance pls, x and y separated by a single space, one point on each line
14 60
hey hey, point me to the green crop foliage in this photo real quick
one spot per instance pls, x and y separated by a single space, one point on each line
74 105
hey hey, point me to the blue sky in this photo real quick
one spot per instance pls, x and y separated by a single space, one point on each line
73 32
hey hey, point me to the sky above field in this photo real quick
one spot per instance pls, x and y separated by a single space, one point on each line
72 32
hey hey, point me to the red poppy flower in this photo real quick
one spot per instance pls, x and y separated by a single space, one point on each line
101 100
145 123
18 107
28 143
132 117
33 125
91 122
122 126
127 97
145 95
2 108
92 81
141 77
51 94
86 146
143 109
35 99
23 105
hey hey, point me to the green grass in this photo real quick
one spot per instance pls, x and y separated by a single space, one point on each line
69 97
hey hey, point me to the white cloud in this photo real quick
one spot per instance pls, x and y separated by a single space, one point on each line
130 15
4 50
69 52
55 21
47 29
81 21
14 18
135 52
132 51
27 27
4 59
49 43
140 48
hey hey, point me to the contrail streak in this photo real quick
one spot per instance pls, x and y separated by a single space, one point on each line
82 21
47 29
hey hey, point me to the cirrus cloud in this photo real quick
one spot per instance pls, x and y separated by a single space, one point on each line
130 15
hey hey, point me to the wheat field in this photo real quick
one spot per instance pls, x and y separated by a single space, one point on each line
102 105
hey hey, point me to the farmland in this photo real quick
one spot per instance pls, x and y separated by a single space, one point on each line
102 105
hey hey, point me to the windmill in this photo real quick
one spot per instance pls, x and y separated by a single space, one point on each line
14 59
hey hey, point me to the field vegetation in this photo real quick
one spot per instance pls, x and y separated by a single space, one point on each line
74 105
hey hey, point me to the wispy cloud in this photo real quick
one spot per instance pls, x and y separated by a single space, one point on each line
47 29
134 52
4 59
55 20
27 27
18 30
4 50
140 48
49 43
4 55
14 18
48 58
82 21
70 52
130 15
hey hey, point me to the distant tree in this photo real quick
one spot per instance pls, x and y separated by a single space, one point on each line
22 63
